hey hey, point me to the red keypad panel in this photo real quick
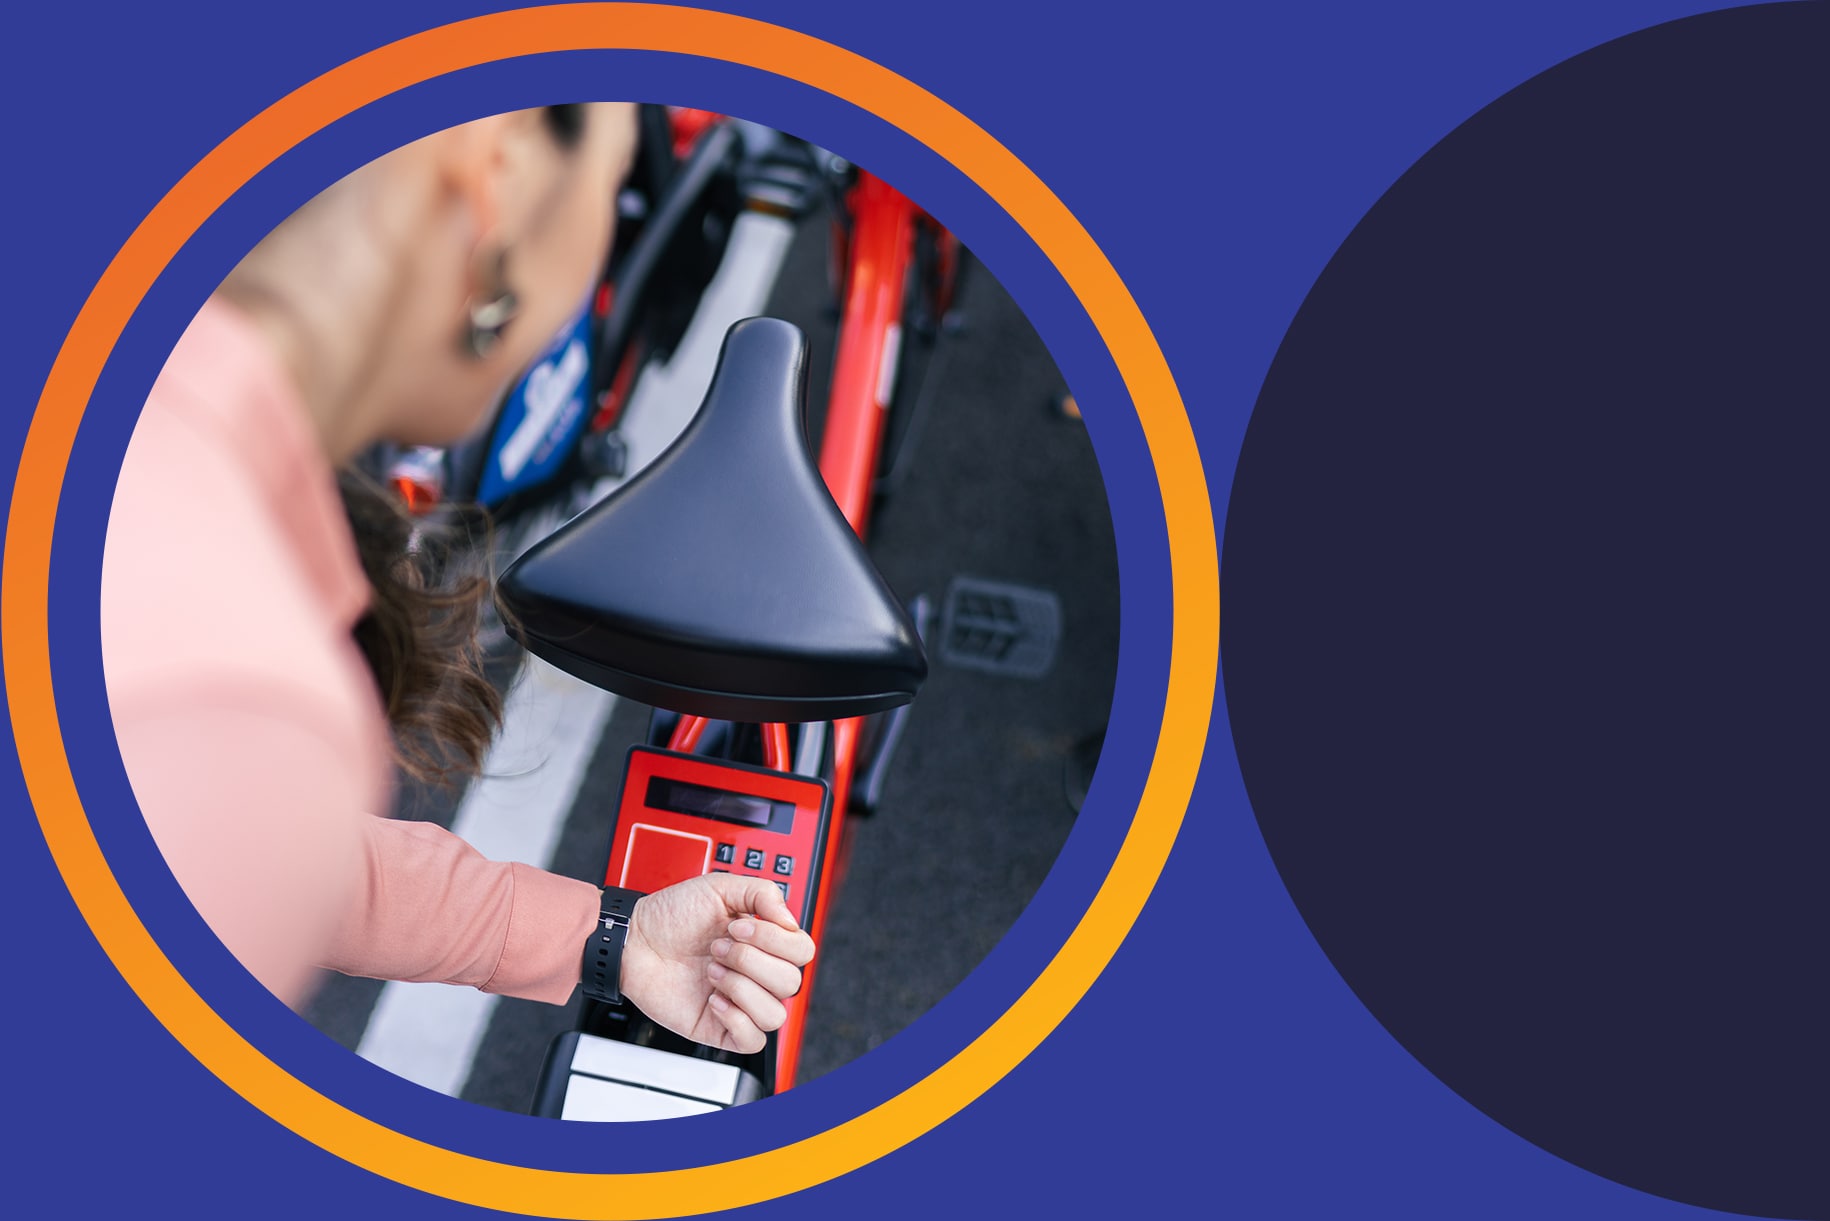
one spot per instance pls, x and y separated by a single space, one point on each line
683 815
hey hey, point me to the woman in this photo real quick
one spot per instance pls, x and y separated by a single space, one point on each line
255 644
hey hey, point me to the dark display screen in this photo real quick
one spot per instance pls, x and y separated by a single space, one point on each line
684 798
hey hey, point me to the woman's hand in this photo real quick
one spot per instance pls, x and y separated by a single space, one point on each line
713 958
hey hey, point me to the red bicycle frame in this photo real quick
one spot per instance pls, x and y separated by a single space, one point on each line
877 262
863 376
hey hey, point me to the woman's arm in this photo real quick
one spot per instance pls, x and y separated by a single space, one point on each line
426 906
711 958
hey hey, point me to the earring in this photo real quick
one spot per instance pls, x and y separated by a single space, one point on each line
488 319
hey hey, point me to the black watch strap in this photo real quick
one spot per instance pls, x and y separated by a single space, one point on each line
603 965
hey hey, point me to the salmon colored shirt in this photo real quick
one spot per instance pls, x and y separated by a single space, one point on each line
250 727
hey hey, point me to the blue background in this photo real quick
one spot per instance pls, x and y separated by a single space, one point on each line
1219 160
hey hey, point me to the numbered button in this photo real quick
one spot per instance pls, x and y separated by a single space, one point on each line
783 887
784 865
726 853
753 858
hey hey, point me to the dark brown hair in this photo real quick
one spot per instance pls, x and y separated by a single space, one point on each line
567 123
429 580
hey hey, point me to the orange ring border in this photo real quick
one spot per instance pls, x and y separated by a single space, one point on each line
1194 564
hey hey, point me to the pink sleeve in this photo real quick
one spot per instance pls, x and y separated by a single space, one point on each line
429 907
253 802
257 806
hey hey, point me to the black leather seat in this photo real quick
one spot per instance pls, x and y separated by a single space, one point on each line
723 581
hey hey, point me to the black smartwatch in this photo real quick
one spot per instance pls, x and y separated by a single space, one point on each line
603 965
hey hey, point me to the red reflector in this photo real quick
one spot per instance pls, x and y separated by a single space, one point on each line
418 496
688 124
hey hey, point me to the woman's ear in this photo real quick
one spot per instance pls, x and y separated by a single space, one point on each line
501 168
503 176
463 157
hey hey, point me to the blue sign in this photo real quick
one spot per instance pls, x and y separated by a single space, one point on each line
543 416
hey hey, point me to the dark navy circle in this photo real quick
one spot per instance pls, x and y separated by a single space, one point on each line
1525 589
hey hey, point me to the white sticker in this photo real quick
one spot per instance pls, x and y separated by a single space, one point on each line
886 371
550 387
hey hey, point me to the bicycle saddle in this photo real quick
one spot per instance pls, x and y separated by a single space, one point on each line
723 581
